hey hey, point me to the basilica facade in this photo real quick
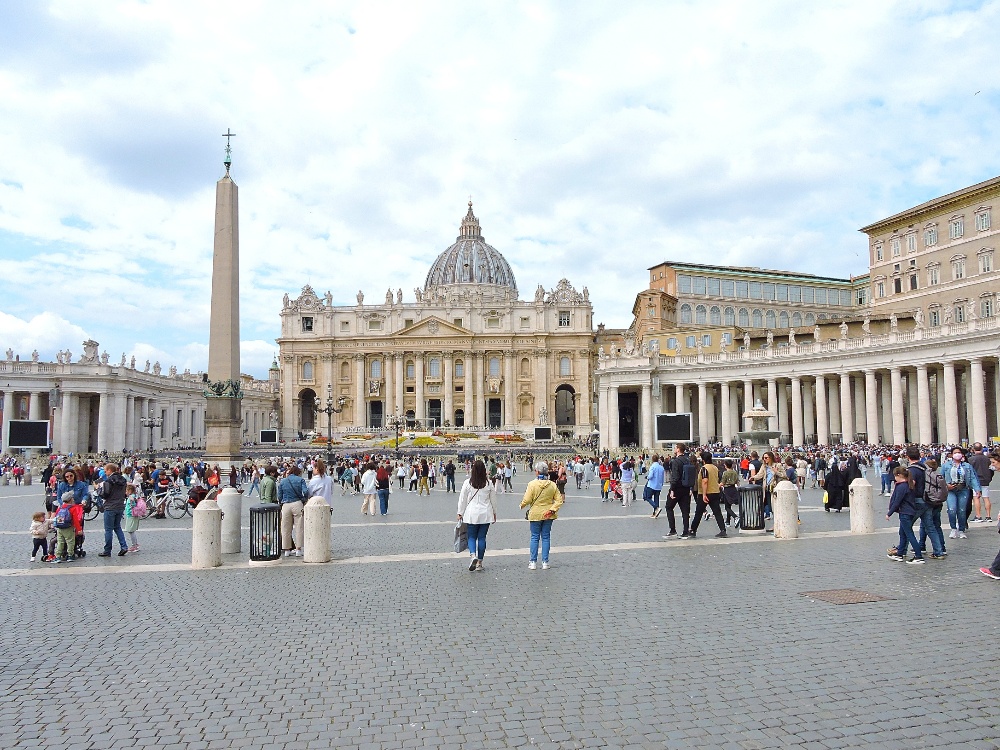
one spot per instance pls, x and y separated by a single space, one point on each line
464 352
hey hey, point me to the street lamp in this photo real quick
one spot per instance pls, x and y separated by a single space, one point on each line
396 422
329 410
152 421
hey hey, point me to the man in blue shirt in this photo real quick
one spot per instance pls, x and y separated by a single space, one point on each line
654 484
292 493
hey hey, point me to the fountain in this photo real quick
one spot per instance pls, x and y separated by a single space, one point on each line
758 437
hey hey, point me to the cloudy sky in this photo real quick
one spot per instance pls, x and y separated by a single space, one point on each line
595 138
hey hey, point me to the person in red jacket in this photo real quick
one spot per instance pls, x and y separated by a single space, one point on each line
66 537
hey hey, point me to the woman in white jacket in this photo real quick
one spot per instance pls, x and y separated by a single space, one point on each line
477 507
369 488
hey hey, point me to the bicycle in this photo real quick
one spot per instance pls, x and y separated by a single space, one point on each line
176 504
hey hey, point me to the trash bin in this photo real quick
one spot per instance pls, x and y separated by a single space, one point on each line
265 533
751 508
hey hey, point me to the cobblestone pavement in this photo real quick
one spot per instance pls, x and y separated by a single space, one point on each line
627 641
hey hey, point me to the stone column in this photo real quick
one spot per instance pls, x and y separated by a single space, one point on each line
613 436
886 399
360 416
871 407
747 402
105 422
646 416
448 363
846 409
950 405
389 372
35 406
912 408
783 421
822 419
130 422
833 406
727 412
399 362
978 432
420 406
602 416
860 403
8 414
898 424
772 403
509 392
67 432
924 405
119 432
679 398
808 410
798 435
703 429
476 387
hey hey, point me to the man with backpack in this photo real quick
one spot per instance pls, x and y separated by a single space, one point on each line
682 479
113 493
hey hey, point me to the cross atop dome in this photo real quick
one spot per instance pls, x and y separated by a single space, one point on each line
470 226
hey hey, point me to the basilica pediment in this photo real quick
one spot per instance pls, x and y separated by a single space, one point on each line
434 326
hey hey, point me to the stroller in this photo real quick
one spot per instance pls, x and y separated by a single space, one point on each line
196 494
615 490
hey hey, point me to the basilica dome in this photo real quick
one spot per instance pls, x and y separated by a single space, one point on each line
471 261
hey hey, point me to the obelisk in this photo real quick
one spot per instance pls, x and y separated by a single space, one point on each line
224 416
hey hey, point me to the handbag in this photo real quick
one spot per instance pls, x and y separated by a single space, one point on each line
461 537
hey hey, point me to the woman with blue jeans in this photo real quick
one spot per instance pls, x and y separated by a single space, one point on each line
961 480
477 508
543 500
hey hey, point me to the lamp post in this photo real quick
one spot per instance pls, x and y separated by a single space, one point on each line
152 421
396 422
329 410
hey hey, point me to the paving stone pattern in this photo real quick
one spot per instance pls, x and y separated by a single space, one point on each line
680 645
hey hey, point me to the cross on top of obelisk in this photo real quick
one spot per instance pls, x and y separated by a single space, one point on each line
229 152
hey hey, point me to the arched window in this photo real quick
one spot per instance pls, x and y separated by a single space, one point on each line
700 314
783 319
758 319
565 369
715 316
769 318
307 371
730 316
685 313
459 368
525 367
494 367
744 317
810 319
434 368
376 368
796 319
345 371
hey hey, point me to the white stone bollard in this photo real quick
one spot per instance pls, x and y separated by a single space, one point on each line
231 504
316 531
206 538
785 507
862 507
27 477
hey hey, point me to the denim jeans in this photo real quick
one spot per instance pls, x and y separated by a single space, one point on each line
383 501
651 496
906 536
930 526
543 530
113 527
449 485
477 539
886 482
958 509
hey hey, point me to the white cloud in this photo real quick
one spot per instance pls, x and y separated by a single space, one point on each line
596 139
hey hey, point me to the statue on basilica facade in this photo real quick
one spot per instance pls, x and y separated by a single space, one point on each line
540 294
131 364
361 297
328 299
388 296
399 296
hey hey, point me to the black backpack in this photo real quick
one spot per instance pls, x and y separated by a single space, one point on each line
688 475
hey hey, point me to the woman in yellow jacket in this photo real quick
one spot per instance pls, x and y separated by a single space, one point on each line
543 500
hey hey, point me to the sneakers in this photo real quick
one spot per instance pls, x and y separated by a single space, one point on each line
722 535
288 553
479 566
690 535
989 574
962 535
988 519
977 519
953 534
657 512
297 553
31 559
472 564
122 552
685 535
936 557
532 565
545 566
915 561
897 558
670 535
104 554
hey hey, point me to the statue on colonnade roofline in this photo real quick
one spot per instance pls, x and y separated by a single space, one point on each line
816 333
746 340
918 317
843 330
122 363
361 297
399 296
893 322
131 364
285 301
328 299
146 369
866 326
388 296
770 337
34 355
791 337
540 293
10 354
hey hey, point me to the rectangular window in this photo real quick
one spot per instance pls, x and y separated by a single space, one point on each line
959 313
768 290
698 285
525 322
930 236
741 290
808 294
986 307
493 322
794 294
983 221
671 343
564 318
683 284
897 286
845 298
933 276
958 269
728 289
878 251
345 325
374 325
956 228
727 338
821 296
706 339
713 287
985 262
879 289
307 324
781 292
935 318
894 245
411 371
407 322
913 282
911 243
459 369
756 292
459 388
689 342
457 321
862 296
410 389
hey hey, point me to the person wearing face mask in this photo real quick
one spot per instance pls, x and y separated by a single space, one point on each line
961 481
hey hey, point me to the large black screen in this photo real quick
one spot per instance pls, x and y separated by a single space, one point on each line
28 433
673 428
